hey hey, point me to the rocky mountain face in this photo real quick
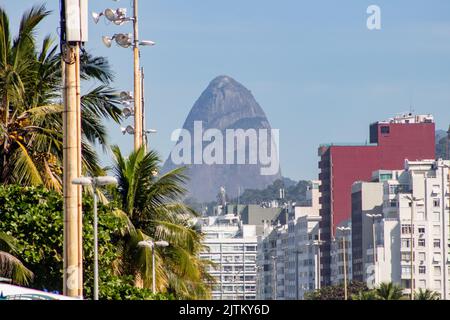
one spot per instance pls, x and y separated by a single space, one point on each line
225 106
442 145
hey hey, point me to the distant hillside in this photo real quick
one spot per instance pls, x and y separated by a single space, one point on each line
293 191
442 146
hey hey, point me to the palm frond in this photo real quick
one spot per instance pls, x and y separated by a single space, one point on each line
13 268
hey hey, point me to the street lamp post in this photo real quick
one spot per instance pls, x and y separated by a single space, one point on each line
274 275
375 257
95 182
119 17
444 237
343 229
318 243
151 244
413 205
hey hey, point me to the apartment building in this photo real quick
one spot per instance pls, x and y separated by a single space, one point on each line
403 137
288 254
232 246
412 236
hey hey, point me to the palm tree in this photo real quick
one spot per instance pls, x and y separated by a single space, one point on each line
426 295
151 204
11 267
389 291
30 105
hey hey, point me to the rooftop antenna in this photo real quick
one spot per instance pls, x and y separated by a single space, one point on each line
411 108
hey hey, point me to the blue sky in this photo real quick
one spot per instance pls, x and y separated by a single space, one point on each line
320 75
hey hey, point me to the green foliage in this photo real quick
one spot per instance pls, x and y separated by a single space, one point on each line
426 295
295 192
442 145
359 291
33 215
122 288
337 292
10 266
31 146
389 291
151 205
365 295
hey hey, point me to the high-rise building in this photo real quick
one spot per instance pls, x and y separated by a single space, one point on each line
232 246
391 142
412 235
288 254
367 207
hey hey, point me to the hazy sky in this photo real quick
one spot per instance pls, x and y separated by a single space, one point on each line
314 67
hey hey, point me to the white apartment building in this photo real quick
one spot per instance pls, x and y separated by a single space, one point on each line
288 254
367 208
232 246
412 236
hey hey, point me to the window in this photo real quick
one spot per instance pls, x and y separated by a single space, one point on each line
406 229
437 243
420 215
422 284
421 256
406 243
385 129
421 229
422 270
250 258
436 230
406 283
437 284
406 269
393 189
437 271
421 243
406 256
436 216
436 203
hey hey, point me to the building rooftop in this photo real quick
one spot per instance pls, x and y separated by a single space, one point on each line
410 118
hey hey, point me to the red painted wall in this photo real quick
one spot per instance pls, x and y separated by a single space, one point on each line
353 163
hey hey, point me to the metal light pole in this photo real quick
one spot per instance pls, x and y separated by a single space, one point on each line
151 244
413 204
95 183
296 273
137 82
375 258
144 134
318 243
73 34
274 275
343 229
118 17
444 237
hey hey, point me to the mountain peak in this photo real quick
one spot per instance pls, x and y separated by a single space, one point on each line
227 82
224 104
